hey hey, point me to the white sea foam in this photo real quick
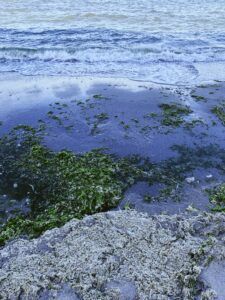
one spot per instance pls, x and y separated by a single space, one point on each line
159 40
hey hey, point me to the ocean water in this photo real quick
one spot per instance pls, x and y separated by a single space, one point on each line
164 41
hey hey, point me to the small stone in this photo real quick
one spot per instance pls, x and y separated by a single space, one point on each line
210 176
190 179
15 185
198 226
27 201
89 221
191 208
121 290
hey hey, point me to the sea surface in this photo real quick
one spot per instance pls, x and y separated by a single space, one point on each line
164 41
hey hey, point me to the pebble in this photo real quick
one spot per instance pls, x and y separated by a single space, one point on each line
190 179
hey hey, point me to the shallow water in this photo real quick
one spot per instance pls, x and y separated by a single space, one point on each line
127 122
173 42
167 42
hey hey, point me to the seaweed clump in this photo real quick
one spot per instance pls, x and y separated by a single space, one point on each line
217 198
219 111
173 114
60 186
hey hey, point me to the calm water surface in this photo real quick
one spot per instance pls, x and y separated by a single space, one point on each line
165 41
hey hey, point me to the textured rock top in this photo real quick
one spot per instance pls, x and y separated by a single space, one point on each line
122 255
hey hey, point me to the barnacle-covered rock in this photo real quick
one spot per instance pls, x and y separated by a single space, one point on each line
118 255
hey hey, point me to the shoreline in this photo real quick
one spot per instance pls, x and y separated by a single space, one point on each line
123 81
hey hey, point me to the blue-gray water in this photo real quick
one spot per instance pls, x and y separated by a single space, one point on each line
165 41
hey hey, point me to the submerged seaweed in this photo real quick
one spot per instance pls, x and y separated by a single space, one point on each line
63 185
217 197
60 186
173 114
219 111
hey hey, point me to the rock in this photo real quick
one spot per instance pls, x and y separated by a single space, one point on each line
89 221
120 255
190 179
42 246
190 208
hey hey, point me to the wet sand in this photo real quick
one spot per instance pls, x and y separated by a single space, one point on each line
127 118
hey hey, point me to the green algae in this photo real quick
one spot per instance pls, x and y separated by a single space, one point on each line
217 198
193 123
151 115
173 114
172 172
98 119
60 186
124 125
148 198
198 98
102 116
98 96
136 121
219 111
65 185
203 86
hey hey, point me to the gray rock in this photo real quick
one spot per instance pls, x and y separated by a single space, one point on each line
190 179
43 246
121 255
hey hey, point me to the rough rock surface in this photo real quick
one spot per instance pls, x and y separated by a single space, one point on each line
122 255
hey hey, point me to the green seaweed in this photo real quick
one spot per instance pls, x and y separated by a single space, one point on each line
98 119
150 115
65 185
136 121
173 114
217 198
198 98
193 123
61 185
219 111
203 86
99 97
102 116
148 198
